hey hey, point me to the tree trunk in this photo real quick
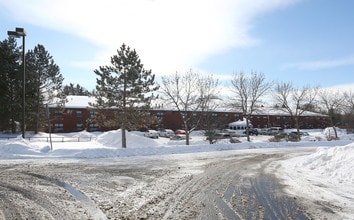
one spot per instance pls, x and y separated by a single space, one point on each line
248 130
335 132
187 133
122 128
37 117
124 141
297 128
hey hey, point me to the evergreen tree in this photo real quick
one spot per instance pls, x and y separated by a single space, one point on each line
126 86
44 85
72 89
10 85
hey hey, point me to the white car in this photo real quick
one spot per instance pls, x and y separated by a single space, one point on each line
166 133
151 134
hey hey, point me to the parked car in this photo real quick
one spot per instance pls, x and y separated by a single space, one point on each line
166 133
301 133
265 131
276 130
252 131
178 137
180 131
151 134
218 136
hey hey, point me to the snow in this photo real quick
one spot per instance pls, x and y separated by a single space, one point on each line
327 172
78 101
326 175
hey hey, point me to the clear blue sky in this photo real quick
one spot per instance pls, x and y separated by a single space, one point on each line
302 41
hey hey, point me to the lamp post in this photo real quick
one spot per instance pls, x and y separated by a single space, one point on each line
20 32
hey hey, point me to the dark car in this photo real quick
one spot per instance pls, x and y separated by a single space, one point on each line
178 137
218 136
252 131
300 133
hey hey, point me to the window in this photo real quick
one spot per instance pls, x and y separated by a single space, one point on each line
93 127
92 113
159 114
59 127
58 112
79 126
79 113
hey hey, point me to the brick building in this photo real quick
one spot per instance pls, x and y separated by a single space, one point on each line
76 115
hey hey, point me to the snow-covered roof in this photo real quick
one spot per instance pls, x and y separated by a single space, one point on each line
79 101
75 101
280 111
83 102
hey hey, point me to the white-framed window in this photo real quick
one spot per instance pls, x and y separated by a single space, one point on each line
159 114
79 113
79 126
58 112
93 127
58 126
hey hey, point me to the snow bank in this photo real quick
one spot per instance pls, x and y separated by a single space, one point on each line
335 163
9 149
108 144
329 132
114 139
325 176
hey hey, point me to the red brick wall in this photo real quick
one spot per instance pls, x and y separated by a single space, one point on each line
71 117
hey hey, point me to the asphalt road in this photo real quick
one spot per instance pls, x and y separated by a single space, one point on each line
229 187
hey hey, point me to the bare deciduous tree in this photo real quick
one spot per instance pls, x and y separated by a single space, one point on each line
248 90
189 93
332 103
294 101
348 107
209 102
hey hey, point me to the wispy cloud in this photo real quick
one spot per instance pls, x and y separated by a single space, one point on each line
341 87
321 64
167 35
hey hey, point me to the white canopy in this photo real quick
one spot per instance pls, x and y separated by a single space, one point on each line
239 125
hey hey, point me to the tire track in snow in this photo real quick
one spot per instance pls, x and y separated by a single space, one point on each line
94 211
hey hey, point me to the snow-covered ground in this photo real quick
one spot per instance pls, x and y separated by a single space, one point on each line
325 175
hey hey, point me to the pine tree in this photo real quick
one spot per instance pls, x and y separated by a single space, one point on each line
10 85
44 85
72 89
126 86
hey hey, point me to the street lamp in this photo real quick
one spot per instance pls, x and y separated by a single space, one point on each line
20 32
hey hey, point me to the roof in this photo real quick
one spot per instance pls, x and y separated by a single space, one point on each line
74 101
281 111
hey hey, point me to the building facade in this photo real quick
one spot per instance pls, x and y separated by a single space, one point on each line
77 115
